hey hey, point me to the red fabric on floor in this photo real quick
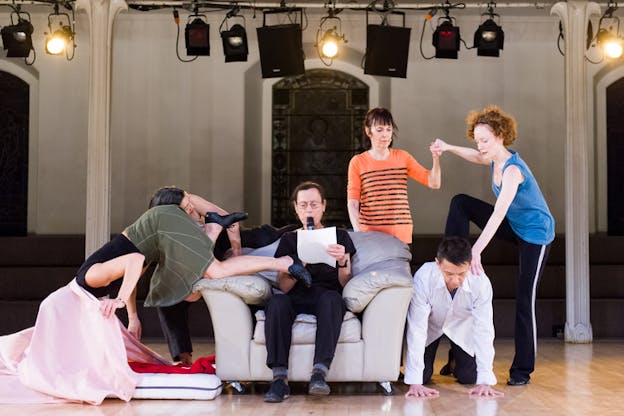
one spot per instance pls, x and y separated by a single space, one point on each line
201 365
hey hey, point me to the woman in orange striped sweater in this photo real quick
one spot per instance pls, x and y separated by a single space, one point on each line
377 188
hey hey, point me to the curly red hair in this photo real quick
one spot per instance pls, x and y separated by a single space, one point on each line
502 124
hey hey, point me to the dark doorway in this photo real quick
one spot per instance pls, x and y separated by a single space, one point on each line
317 119
615 157
14 109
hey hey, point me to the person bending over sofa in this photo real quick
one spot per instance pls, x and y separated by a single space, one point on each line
322 298
230 240
449 300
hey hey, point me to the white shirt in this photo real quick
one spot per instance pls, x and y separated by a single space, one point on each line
465 319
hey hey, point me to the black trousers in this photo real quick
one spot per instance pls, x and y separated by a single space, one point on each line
465 370
532 259
174 319
280 311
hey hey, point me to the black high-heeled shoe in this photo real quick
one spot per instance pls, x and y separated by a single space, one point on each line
299 272
224 220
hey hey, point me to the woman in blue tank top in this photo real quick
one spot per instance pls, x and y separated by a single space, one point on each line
520 214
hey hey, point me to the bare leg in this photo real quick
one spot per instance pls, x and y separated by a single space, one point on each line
212 231
239 265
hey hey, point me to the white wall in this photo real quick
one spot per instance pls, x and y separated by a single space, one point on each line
184 123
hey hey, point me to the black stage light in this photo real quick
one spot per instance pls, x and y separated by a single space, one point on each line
17 39
235 44
489 39
197 37
446 40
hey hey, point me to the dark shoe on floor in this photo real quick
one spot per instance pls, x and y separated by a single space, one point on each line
318 386
224 220
299 272
517 382
446 370
278 391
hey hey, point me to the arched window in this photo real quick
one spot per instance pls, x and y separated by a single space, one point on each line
316 129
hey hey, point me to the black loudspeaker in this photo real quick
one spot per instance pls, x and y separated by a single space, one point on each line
387 49
281 50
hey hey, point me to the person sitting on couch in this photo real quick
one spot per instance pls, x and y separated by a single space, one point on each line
449 300
323 298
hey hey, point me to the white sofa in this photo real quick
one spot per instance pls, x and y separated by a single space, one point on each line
369 350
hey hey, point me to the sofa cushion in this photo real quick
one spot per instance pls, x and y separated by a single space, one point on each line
364 286
374 247
253 290
304 329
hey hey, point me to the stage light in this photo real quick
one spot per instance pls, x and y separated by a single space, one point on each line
17 38
56 43
234 39
61 40
446 40
489 37
197 36
328 39
607 38
611 45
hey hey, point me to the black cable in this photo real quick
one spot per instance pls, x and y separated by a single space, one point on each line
422 34
176 17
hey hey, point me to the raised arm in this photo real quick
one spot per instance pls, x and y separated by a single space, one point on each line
435 175
467 153
512 178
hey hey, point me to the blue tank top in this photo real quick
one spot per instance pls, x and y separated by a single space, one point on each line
528 213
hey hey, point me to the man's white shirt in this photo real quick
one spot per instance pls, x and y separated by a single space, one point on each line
466 319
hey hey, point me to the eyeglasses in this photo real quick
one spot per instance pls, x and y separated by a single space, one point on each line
305 204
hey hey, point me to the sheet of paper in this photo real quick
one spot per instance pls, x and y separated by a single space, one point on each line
312 245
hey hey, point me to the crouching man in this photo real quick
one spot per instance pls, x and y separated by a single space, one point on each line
449 300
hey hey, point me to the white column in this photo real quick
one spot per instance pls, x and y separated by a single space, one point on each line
575 15
101 14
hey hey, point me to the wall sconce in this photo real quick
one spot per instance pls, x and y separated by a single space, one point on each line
234 39
489 37
17 37
329 38
607 36
59 41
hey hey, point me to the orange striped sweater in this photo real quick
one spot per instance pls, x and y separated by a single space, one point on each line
381 188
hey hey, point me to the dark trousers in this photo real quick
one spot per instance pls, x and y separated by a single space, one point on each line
174 319
465 370
532 259
280 311
174 323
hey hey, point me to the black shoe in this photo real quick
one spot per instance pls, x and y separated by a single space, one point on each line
299 272
447 370
224 220
278 392
517 382
318 386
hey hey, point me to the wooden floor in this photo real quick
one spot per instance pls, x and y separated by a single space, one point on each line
586 379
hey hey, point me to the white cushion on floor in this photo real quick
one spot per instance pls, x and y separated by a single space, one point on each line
304 329
178 386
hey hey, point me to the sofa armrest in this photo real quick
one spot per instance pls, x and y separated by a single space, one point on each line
233 329
383 326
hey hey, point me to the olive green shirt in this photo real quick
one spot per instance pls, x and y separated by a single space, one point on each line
167 236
